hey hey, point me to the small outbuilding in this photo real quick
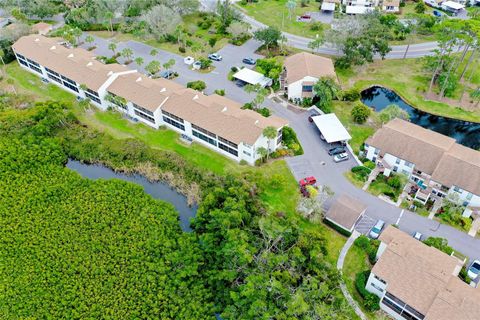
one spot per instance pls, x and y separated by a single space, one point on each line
42 28
302 71
328 6
252 77
452 6
331 128
345 212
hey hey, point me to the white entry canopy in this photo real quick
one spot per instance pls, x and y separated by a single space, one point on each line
452 5
328 6
331 128
252 77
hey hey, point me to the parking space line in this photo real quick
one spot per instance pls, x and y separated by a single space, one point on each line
400 217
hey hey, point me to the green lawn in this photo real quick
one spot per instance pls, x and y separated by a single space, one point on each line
275 13
354 179
356 261
196 35
407 78
359 132
380 186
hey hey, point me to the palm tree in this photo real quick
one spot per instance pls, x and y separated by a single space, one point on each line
270 133
127 53
153 67
77 33
109 16
139 61
170 63
89 39
316 43
153 52
326 89
262 152
112 46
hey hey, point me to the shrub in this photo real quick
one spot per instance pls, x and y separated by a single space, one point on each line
351 94
220 92
316 26
394 182
361 170
362 242
371 302
360 112
337 228
181 49
290 139
263 111
205 63
212 42
369 164
197 85
234 69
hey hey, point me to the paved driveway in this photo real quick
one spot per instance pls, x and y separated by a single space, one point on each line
315 161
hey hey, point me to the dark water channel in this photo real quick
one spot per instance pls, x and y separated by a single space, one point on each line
157 190
466 133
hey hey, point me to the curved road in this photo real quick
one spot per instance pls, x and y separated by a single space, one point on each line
397 52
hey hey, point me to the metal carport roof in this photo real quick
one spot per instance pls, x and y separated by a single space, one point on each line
331 128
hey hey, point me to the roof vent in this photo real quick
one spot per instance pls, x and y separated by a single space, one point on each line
256 121
109 73
138 79
70 55
224 109
36 39
89 64
195 97
163 90
53 48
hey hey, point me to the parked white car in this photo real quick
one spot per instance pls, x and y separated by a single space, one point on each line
340 157
196 65
188 60
377 229
474 270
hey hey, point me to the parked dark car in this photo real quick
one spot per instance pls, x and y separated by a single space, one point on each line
167 74
437 13
313 113
249 61
336 150
240 83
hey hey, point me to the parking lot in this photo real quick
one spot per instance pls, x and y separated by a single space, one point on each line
365 224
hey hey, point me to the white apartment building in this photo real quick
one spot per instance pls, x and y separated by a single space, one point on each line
416 282
213 121
436 163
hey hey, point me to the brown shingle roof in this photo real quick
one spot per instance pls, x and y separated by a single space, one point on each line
75 63
413 143
145 92
459 166
41 27
439 156
345 211
305 64
414 272
220 115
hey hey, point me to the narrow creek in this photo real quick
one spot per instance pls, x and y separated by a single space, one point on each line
157 190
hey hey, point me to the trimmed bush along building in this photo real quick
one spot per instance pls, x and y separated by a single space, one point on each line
436 163
214 121
415 281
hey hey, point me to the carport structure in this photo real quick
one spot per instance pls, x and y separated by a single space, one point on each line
331 128
252 77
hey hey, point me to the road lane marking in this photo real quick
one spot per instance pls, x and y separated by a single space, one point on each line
400 217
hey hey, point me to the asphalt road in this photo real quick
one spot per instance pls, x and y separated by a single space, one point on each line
316 160
397 52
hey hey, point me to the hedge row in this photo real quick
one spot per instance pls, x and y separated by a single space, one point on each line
371 302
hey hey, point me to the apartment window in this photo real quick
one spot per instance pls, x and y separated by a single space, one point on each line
95 93
228 149
53 72
68 85
397 161
379 279
33 62
174 117
307 88
51 76
395 169
377 287
150 113
247 153
469 196
391 305
408 164
279 140
208 133
247 146
144 116
92 97
203 137
376 152
23 63
456 189
19 56
35 68
65 79
227 142
174 123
